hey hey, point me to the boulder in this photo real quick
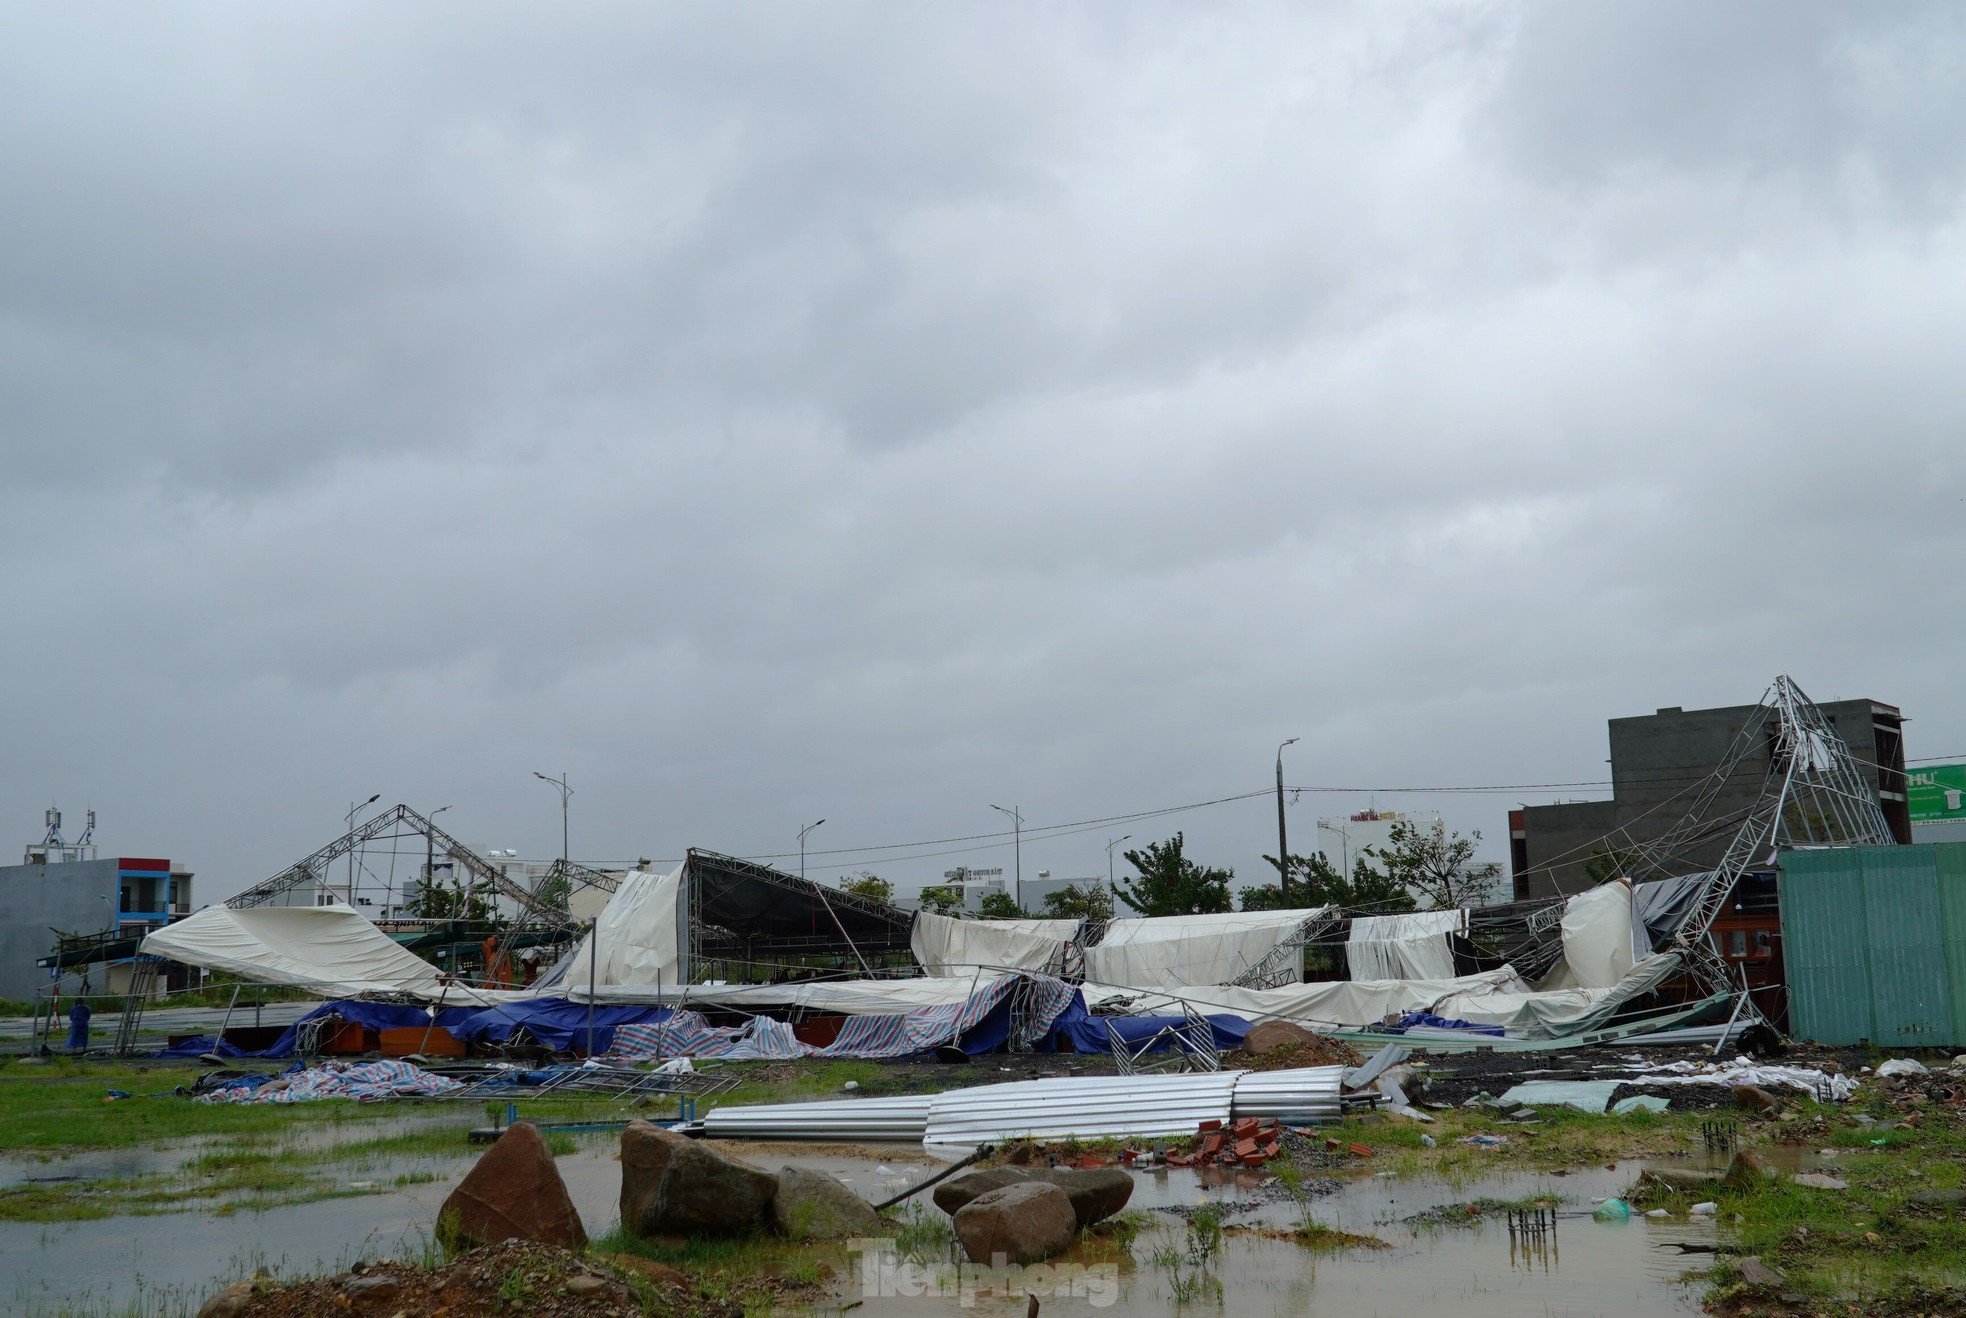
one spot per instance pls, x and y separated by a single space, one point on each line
1267 1035
1753 1272
956 1192
1744 1169
1936 1198
1017 1224
514 1192
1755 1099
673 1185
240 1298
814 1206
1096 1195
1682 1178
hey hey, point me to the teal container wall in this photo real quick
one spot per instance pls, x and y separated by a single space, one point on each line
1874 944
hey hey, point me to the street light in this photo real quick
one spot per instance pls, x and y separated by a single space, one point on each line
565 792
429 864
353 809
1283 841
1017 836
802 844
1109 859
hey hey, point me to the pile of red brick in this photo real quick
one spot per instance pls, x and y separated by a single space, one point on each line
1250 1142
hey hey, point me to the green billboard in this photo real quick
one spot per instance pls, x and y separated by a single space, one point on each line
1937 792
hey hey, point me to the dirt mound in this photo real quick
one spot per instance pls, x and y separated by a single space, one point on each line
1316 1050
512 1277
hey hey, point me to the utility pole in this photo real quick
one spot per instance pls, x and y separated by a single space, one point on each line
1109 859
353 809
802 844
1283 839
1017 837
429 864
565 792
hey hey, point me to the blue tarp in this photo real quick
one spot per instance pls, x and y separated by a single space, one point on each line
1432 1021
555 1022
374 1015
1089 1034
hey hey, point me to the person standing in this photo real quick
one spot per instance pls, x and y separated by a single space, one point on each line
78 1026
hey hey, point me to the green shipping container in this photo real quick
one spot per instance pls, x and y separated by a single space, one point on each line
1874 944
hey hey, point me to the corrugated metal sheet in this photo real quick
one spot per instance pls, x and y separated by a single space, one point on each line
1874 944
1083 1107
901 1118
1305 1094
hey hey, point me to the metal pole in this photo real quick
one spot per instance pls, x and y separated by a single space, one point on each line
1017 835
802 844
593 977
1283 838
1109 859
352 808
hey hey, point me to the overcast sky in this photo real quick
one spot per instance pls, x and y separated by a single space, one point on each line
881 411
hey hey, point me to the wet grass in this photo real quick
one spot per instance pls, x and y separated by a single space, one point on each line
754 1272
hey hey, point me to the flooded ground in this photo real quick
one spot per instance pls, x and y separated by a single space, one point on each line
167 1263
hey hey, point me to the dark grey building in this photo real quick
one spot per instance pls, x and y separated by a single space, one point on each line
1659 761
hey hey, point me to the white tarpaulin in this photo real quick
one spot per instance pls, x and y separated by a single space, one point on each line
1552 1013
638 938
948 946
848 997
1343 1004
1172 951
1597 939
335 951
1412 946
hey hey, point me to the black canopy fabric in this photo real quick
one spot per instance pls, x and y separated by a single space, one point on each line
752 901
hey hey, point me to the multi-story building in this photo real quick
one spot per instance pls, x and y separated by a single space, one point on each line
97 908
1659 764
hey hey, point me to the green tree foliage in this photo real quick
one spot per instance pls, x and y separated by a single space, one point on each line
439 900
1091 902
1315 881
941 899
1608 863
870 885
999 906
1168 883
1439 866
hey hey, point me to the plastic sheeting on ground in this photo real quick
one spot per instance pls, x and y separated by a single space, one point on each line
1410 946
1339 1004
364 1082
1747 1071
1175 951
689 1034
1584 1095
947 946
335 951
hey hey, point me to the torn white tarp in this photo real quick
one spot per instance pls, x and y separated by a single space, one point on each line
1171 951
948 946
1344 1004
846 997
334 951
1412 946
1554 1013
1747 1071
1597 939
638 939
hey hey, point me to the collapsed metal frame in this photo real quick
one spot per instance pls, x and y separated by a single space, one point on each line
710 943
1285 962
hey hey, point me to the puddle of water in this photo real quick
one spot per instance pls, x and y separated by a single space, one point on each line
166 1264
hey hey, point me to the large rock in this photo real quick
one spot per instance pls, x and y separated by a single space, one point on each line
1095 1194
957 1192
1745 1169
1755 1099
673 1185
1025 1223
1265 1036
814 1206
513 1193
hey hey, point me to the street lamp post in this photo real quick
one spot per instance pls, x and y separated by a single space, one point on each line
353 810
1283 840
802 844
1109 859
565 792
1017 838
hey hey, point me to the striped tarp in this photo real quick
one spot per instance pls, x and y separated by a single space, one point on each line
689 1034
362 1081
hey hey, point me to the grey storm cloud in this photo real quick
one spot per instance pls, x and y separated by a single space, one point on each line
880 411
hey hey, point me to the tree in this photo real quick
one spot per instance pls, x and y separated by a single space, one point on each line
1168 883
435 900
1438 866
1608 863
1315 881
871 886
1092 902
999 906
941 899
